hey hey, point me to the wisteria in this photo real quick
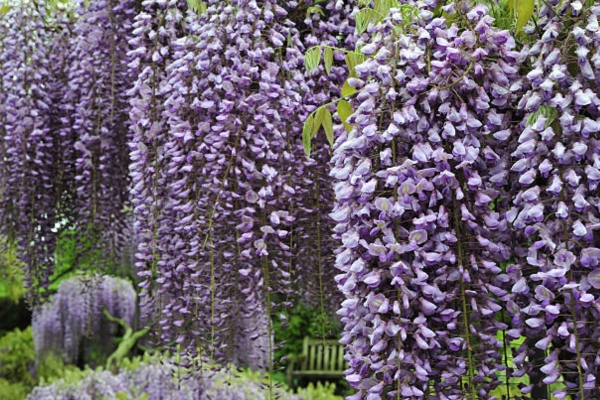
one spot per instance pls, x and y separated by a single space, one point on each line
98 78
27 195
76 311
160 379
451 244
218 168
554 213
418 183
448 214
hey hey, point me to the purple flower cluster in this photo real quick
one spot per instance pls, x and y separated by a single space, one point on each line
64 131
223 197
465 195
554 215
28 196
160 379
76 310
448 211
98 78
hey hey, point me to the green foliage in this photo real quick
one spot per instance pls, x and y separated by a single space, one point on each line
312 58
197 6
328 59
17 356
550 113
307 133
322 117
126 395
303 321
65 257
17 362
314 10
344 111
69 261
11 272
320 391
52 369
502 13
523 11
380 10
352 60
246 380
13 390
363 17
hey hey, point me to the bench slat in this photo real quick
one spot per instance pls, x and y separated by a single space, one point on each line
312 358
340 356
320 357
333 358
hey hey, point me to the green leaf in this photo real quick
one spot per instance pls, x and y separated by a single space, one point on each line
550 113
328 126
311 59
197 6
328 59
318 121
382 9
363 17
524 13
352 60
306 133
314 10
347 90
345 110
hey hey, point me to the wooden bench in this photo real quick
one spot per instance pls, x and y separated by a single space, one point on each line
319 359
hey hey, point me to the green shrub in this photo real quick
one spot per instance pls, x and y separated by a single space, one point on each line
18 364
11 272
17 357
322 391
303 321
12 390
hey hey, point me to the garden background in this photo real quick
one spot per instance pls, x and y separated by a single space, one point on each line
189 188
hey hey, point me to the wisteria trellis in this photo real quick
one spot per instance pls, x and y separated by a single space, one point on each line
464 199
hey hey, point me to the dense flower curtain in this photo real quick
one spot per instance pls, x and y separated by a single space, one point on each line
452 225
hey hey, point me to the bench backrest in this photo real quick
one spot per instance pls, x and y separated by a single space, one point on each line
323 355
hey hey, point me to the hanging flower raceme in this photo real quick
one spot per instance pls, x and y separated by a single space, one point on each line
216 196
60 120
76 312
311 243
555 302
28 195
155 27
228 179
419 189
98 79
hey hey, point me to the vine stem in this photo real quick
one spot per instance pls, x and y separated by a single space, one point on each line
212 295
505 348
572 306
466 322
269 320
222 185
319 260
